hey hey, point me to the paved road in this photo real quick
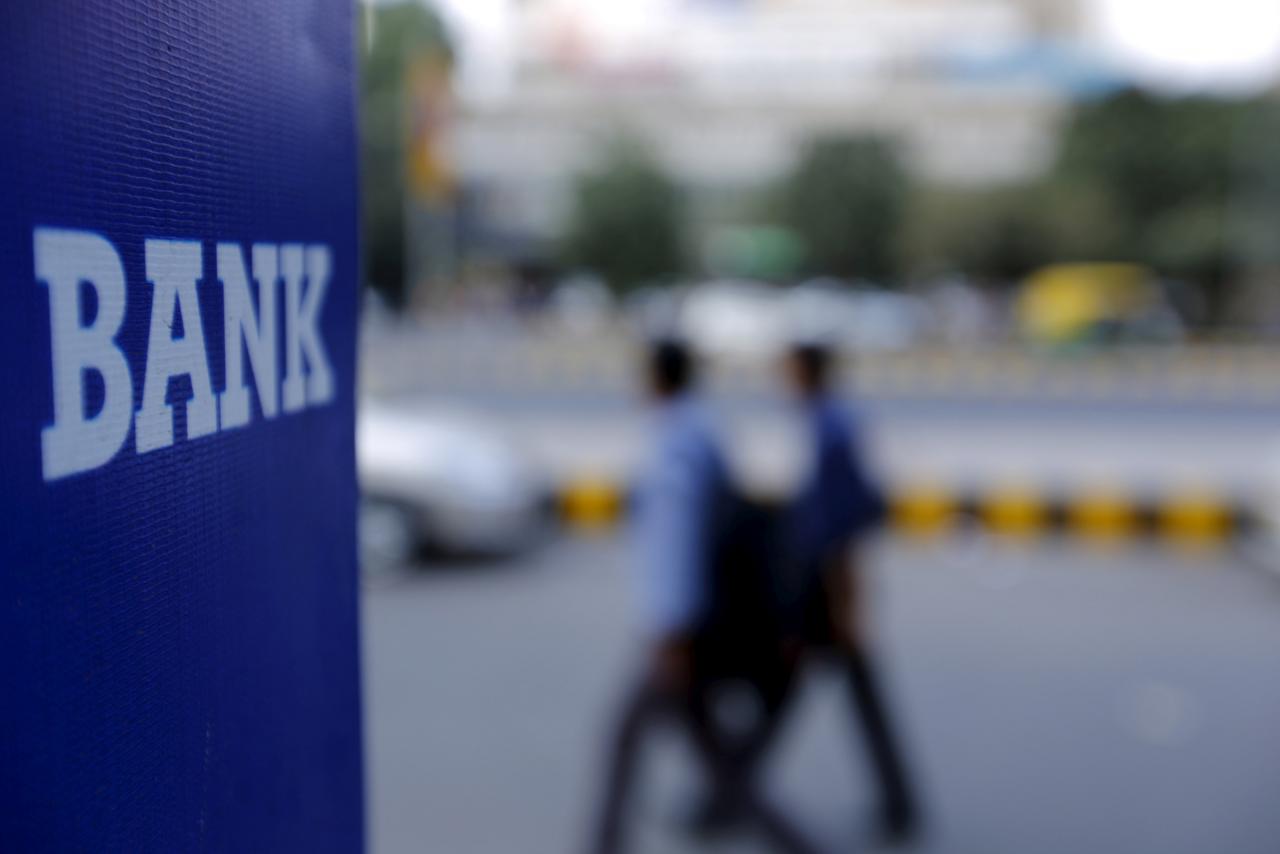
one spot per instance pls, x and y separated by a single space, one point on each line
1064 426
1057 701
466 354
959 446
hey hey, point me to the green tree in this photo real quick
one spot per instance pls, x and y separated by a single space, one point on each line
391 37
627 218
1189 186
992 235
1152 153
845 200
1171 168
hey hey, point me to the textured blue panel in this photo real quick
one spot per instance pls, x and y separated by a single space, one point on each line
178 640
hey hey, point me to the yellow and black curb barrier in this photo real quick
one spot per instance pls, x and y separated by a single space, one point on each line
1192 518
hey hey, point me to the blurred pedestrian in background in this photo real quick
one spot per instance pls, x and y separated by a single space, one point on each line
680 495
818 606
837 504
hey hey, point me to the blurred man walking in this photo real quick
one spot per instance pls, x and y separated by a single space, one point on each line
680 491
836 505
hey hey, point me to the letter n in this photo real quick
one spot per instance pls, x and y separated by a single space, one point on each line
247 329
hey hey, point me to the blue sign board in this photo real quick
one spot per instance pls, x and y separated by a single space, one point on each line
178 292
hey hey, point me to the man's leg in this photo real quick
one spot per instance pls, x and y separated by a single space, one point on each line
641 707
646 704
900 812
774 684
735 785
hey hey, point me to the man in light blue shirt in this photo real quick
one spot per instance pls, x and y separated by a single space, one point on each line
676 496
679 495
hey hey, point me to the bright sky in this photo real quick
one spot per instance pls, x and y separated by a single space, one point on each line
1193 43
1181 44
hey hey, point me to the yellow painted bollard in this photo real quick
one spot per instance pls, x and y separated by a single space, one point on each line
591 504
1195 520
924 512
1103 518
1014 512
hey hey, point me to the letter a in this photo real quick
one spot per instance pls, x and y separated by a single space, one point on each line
173 268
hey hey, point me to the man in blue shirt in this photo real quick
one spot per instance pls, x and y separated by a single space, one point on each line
836 505
681 488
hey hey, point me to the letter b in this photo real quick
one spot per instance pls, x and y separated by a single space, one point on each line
63 260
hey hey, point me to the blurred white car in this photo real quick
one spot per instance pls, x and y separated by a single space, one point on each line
746 320
735 319
441 480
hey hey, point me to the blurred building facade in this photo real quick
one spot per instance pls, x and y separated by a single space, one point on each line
729 91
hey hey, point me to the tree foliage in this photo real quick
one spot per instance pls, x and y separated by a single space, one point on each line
1175 169
1178 184
1153 154
627 219
845 201
1001 235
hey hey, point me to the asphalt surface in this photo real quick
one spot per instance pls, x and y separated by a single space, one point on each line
1134 423
1055 700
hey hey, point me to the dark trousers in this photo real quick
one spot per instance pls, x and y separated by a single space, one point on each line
882 745
817 633
858 672
727 766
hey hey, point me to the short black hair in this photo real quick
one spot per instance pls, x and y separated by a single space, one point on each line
671 366
815 362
